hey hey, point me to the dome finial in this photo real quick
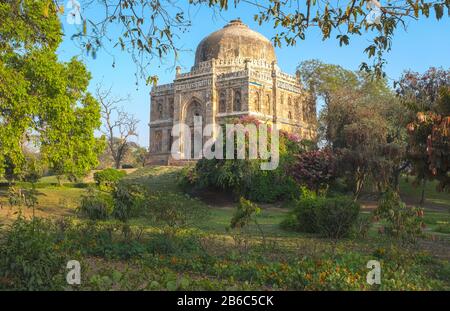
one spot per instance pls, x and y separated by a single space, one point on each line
235 22
235 41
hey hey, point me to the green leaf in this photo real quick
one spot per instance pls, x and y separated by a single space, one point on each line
439 10
171 285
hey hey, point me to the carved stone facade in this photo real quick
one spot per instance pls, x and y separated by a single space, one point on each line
235 74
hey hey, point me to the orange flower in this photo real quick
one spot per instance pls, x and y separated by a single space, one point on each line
322 277
421 117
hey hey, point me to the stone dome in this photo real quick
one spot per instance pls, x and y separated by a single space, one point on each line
235 40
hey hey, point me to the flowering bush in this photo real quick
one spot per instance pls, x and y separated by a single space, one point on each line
316 169
244 177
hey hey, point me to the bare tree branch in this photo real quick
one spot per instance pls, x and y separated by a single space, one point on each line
118 125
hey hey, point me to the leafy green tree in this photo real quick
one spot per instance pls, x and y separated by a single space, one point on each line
140 155
41 99
356 123
150 28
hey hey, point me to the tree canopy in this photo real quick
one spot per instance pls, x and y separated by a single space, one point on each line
150 28
362 121
427 96
44 103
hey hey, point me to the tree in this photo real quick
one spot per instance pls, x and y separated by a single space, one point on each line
140 155
341 20
118 125
427 97
355 122
151 27
316 169
42 100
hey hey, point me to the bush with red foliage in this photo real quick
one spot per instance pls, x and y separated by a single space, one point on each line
315 169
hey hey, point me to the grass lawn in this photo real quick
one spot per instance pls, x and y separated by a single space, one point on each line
224 262
53 202
433 198
62 201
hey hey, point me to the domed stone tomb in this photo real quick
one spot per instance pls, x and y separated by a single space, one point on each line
235 74
235 41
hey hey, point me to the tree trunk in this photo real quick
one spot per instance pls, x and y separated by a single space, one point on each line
395 182
359 183
422 197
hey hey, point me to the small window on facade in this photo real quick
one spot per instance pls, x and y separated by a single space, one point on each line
237 101
171 108
169 135
257 102
160 110
222 102
158 141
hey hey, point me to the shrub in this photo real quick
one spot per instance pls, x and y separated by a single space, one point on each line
187 179
244 214
289 223
330 217
267 186
336 216
174 244
300 219
32 172
305 213
28 257
128 200
95 206
362 226
316 169
402 222
107 179
173 210
244 177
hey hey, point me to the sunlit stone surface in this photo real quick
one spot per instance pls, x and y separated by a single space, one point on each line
235 74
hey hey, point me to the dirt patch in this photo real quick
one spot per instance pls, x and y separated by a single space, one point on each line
216 198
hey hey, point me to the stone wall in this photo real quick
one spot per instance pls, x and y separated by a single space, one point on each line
216 93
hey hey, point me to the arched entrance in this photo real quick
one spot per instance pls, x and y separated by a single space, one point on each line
194 109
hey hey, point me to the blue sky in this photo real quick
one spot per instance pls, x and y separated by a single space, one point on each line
425 43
